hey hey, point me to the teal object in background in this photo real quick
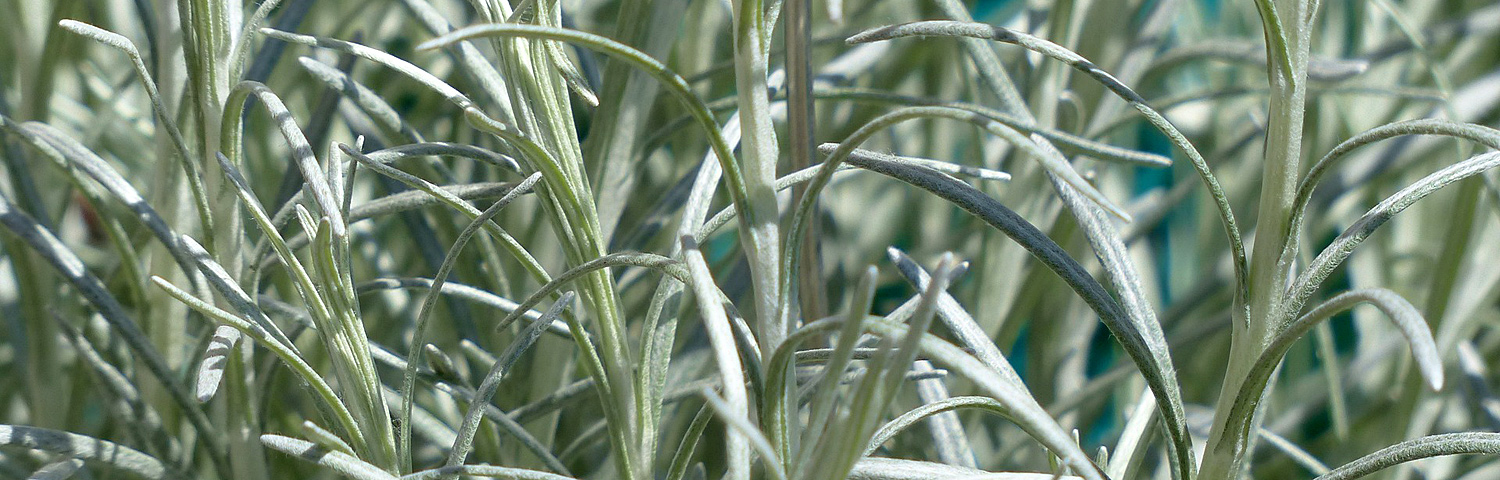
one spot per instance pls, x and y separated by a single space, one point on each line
1147 179
984 9
1210 8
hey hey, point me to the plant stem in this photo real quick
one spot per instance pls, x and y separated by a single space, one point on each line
544 114
1255 323
760 152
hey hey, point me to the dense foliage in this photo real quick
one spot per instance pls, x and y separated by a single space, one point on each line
789 240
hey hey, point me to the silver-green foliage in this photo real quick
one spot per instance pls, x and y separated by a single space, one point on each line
430 173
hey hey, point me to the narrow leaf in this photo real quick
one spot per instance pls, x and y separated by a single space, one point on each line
1468 443
215 358
1059 53
491 381
343 463
118 457
419 331
59 470
726 357
877 468
1305 284
1401 313
68 264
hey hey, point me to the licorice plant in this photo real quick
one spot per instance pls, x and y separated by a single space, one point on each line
491 238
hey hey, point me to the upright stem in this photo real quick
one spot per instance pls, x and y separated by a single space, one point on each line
539 96
1269 270
759 154
1270 262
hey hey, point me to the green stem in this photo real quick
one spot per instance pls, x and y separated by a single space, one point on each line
759 154
1274 247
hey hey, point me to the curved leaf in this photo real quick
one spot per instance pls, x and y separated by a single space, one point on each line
485 471
466 292
71 152
1468 443
68 264
78 446
723 217
726 357
911 417
1064 140
1305 284
189 163
877 468
59 470
419 331
482 396
669 79
1402 314
1055 51
302 152
1483 135
285 353
215 358
340 462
